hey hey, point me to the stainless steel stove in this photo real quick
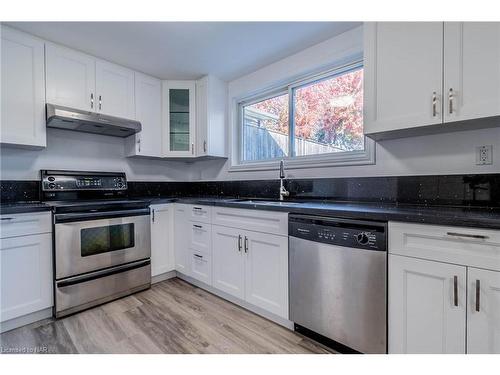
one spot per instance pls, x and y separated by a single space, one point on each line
102 243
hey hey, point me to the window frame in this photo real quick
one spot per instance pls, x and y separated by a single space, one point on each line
332 159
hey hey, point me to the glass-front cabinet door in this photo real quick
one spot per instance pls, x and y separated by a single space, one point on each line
179 118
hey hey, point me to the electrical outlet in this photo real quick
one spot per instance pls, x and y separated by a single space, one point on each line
484 155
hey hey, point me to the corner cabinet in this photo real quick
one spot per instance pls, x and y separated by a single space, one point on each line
444 289
23 90
430 77
148 142
179 118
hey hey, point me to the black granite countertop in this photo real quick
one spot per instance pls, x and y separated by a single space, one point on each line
23 207
480 217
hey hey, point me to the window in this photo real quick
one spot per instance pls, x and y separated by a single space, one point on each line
318 119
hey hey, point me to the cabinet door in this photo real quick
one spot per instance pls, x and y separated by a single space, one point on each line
25 275
483 316
471 70
228 260
115 90
266 272
148 142
162 257
201 266
23 90
210 117
179 118
427 311
403 75
181 239
70 78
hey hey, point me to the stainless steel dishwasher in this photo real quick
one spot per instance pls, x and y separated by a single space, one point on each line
338 281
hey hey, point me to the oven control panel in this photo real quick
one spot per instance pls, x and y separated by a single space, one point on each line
72 182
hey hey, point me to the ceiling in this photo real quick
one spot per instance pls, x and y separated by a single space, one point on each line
188 50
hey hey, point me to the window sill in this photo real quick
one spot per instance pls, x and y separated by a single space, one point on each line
365 157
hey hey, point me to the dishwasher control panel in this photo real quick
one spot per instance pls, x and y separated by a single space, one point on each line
341 232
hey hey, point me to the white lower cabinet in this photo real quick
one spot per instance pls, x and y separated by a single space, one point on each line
228 260
442 299
162 246
252 266
26 275
266 272
426 311
181 238
483 315
201 267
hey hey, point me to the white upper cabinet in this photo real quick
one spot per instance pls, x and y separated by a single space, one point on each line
23 90
483 315
210 117
115 90
430 77
70 78
148 142
427 306
179 118
403 75
472 70
80 81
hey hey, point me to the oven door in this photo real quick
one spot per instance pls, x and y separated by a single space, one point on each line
88 245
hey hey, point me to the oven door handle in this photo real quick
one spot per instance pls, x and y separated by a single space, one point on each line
80 216
103 273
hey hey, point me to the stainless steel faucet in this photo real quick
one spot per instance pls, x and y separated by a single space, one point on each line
283 191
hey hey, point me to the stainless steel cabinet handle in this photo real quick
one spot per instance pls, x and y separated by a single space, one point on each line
434 104
475 236
100 102
196 208
7 218
139 143
153 215
455 290
198 256
478 295
205 146
197 226
239 243
246 244
92 100
450 101
192 148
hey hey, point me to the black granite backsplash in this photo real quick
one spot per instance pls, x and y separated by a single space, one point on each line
456 190
19 191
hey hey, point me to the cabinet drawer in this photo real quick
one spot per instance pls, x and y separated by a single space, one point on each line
201 267
200 213
466 246
200 236
254 220
25 224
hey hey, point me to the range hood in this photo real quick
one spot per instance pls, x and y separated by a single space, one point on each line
90 122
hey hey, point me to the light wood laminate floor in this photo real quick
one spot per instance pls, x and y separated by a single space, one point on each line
171 317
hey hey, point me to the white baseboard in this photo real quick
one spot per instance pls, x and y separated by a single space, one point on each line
25 320
163 276
257 310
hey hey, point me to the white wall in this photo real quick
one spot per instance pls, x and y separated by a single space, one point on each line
451 153
87 152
